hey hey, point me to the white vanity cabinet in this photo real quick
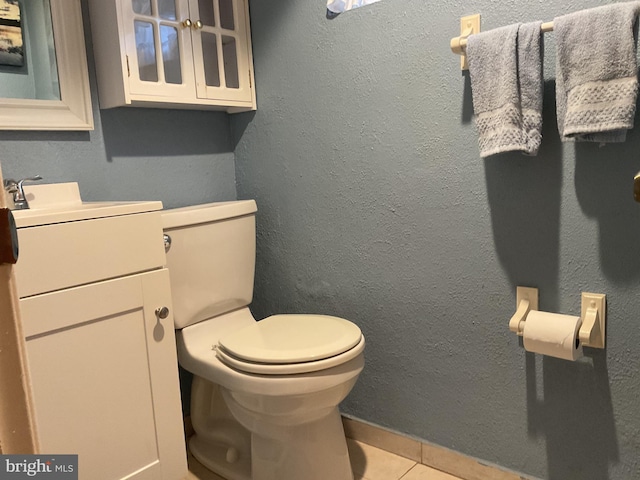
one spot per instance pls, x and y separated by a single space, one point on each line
192 54
101 352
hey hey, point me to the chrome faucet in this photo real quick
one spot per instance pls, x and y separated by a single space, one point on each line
17 191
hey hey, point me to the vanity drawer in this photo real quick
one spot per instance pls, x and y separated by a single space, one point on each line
68 254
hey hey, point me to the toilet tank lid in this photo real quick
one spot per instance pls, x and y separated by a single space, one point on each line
208 212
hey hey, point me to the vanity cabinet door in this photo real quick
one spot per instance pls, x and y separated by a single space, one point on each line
105 378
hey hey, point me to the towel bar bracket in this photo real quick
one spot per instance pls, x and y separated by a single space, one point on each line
468 25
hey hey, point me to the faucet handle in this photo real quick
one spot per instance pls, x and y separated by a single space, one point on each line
16 188
35 178
10 185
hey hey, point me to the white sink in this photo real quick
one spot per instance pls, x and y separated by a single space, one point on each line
61 202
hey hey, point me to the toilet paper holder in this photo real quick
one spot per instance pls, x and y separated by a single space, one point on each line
593 315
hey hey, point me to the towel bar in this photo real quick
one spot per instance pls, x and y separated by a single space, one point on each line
459 44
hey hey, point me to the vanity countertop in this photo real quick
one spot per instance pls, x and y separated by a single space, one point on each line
58 203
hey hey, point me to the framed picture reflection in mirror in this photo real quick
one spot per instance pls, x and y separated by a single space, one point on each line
11 41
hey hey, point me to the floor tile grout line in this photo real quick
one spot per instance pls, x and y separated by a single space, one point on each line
407 472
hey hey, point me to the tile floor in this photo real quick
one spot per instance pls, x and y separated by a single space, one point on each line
368 463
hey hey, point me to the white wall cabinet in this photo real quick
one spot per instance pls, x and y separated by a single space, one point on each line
102 362
173 53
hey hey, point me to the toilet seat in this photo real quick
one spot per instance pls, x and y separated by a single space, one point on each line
290 344
289 369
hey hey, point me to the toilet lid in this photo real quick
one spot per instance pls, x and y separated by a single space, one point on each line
290 368
286 339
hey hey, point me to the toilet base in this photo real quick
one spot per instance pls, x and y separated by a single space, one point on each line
316 450
309 458
291 435
220 443
214 457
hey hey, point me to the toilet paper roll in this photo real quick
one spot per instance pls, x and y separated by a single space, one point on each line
552 334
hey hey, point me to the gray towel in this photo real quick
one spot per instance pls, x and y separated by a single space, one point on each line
505 67
596 73
530 83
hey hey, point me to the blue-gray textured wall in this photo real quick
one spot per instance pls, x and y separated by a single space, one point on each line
179 157
374 205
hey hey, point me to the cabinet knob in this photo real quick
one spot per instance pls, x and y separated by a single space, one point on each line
197 25
162 312
187 23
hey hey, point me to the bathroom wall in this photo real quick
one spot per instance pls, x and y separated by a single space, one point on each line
179 157
374 205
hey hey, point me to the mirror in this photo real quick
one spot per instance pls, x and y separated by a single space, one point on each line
44 84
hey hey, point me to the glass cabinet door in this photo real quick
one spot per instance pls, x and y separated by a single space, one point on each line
158 46
221 57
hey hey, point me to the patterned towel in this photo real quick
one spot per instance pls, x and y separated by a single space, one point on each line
505 66
596 73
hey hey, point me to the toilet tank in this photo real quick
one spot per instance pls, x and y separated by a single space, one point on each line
211 259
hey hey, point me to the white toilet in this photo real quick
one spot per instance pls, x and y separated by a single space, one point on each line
265 394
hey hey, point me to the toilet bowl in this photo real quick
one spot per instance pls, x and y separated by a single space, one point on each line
265 394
